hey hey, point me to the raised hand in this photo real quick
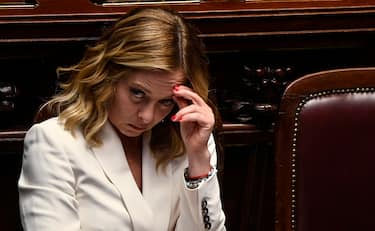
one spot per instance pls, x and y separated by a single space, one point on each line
196 123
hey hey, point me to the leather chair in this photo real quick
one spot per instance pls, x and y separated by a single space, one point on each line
325 152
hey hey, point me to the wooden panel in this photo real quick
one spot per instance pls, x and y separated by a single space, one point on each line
248 43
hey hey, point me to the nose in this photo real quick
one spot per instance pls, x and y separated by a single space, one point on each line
146 113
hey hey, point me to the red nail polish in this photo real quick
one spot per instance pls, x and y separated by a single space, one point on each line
173 118
175 87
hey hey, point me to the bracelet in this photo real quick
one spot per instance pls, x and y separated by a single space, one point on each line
189 178
194 182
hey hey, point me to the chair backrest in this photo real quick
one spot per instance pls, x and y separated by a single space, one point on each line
325 152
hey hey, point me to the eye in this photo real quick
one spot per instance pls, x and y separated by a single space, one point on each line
167 102
138 94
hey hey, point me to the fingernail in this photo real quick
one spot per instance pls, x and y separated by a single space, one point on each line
175 87
173 118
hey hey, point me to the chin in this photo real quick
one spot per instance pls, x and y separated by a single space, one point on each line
132 133
135 134
129 132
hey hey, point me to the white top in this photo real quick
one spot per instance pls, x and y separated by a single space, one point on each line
67 186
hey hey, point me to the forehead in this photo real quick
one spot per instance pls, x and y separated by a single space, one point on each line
156 82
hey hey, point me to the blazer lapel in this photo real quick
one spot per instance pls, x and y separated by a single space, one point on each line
112 159
157 187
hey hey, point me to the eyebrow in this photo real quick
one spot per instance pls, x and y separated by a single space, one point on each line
143 88
137 85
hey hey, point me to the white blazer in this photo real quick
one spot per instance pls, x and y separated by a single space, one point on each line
67 186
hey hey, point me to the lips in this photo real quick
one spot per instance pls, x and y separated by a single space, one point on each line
137 127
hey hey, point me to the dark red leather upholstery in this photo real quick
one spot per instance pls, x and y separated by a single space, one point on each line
325 153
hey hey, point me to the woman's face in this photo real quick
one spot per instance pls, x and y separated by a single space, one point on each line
142 100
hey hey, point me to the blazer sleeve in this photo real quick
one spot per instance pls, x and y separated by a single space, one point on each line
46 184
200 208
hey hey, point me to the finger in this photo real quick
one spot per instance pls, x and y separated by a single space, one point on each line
185 110
198 118
180 101
189 94
204 114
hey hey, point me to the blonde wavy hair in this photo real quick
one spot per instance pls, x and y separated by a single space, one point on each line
144 39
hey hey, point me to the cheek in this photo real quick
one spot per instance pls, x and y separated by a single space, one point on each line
119 108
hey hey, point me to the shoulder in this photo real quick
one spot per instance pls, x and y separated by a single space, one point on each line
51 129
49 139
51 123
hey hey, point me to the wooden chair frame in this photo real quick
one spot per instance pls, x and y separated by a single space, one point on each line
301 91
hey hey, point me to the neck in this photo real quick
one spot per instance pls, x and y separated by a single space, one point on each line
131 142
128 141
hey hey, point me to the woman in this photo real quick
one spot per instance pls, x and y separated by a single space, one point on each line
131 147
